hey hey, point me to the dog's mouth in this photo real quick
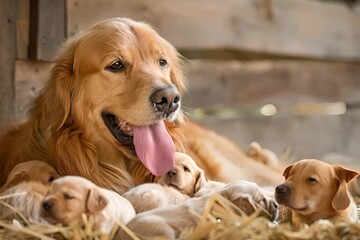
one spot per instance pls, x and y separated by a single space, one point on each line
122 131
152 144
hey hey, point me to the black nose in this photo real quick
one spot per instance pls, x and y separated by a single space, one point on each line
47 205
165 100
282 189
172 173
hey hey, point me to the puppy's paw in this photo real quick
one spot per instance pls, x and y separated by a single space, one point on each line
249 198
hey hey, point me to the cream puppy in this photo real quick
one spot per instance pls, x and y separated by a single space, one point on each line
71 196
316 190
173 188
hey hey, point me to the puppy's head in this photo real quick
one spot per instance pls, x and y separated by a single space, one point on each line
69 197
313 187
35 170
187 177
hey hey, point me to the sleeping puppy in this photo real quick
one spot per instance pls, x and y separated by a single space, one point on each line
25 188
71 196
172 188
167 222
316 190
35 170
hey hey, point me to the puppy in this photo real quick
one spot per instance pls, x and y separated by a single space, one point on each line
167 222
70 196
263 155
37 171
24 190
317 190
175 187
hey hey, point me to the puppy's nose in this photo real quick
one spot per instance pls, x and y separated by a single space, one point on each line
165 100
47 205
172 173
282 189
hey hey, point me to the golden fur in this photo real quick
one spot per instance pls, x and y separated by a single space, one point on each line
316 190
65 126
71 196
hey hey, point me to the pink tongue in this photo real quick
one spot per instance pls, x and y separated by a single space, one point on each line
155 148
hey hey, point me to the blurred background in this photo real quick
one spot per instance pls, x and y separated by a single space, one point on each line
284 73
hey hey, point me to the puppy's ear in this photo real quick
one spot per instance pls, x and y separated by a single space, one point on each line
342 196
199 180
17 178
96 201
287 171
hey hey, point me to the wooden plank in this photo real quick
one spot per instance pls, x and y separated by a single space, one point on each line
7 60
22 28
47 28
234 83
30 78
315 136
295 28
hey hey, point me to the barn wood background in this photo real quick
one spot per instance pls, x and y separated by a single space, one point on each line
300 56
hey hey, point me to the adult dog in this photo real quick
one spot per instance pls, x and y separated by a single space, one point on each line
111 112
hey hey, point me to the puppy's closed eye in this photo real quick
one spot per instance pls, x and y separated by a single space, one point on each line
51 179
68 196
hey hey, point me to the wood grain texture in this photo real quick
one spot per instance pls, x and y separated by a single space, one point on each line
295 28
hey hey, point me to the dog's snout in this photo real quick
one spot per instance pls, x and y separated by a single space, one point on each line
282 189
47 205
166 100
172 173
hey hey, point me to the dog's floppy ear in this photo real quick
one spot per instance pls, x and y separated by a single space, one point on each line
199 180
96 201
341 199
58 89
287 171
15 179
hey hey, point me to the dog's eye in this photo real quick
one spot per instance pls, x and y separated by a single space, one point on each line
186 169
116 66
67 196
311 180
163 62
51 179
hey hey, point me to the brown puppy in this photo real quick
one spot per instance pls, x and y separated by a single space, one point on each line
71 196
37 171
25 188
316 190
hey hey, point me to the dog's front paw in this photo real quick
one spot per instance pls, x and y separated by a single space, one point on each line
249 198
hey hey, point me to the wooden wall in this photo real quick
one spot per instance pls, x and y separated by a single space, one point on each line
302 56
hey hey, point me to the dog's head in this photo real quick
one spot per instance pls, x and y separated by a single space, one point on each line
313 187
187 177
69 197
37 171
118 82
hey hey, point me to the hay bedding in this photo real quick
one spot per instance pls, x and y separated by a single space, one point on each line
220 220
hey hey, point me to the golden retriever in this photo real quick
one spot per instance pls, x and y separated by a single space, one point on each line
71 196
167 222
111 112
316 190
24 190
